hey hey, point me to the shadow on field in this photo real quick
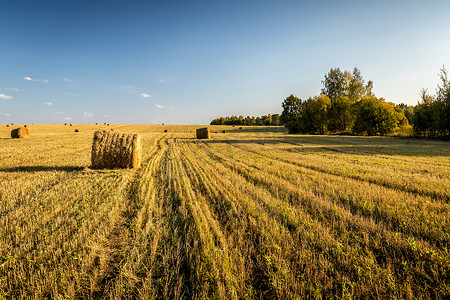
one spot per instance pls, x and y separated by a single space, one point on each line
352 145
251 129
27 169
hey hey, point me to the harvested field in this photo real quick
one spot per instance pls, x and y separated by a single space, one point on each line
254 213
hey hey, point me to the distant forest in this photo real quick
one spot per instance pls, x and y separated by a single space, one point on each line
266 120
348 105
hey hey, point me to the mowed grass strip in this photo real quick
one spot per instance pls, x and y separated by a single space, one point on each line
418 174
387 246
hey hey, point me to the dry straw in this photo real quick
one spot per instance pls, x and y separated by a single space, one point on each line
203 133
115 150
19 133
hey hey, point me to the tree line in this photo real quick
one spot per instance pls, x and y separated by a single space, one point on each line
266 120
347 104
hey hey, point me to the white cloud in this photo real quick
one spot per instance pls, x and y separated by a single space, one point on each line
68 119
107 116
159 106
58 112
12 89
2 96
68 80
70 94
7 115
32 79
88 115
48 103
144 95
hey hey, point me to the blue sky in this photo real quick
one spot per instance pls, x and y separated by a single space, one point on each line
187 62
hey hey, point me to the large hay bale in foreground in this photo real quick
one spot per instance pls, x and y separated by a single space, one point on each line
115 150
203 133
19 133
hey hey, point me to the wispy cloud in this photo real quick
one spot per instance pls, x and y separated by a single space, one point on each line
7 115
144 95
159 106
33 79
68 119
70 94
88 115
5 97
48 103
12 89
68 80
58 112
107 116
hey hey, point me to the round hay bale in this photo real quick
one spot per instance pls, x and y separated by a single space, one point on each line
96 123
107 124
203 133
24 125
115 150
19 133
7 125
165 130
70 125
223 131
12 123
76 130
240 127
65 123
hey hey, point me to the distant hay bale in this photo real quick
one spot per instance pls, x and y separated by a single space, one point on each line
165 130
24 125
107 124
12 123
203 133
19 133
223 131
240 127
65 123
96 123
76 130
115 150
7 125
70 125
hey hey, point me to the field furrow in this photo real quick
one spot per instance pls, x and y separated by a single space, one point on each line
434 183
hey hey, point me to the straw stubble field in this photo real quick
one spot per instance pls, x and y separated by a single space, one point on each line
251 213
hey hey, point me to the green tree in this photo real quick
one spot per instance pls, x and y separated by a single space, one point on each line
427 115
374 117
291 111
443 97
356 89
275 119
314 117
336 84
341 115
